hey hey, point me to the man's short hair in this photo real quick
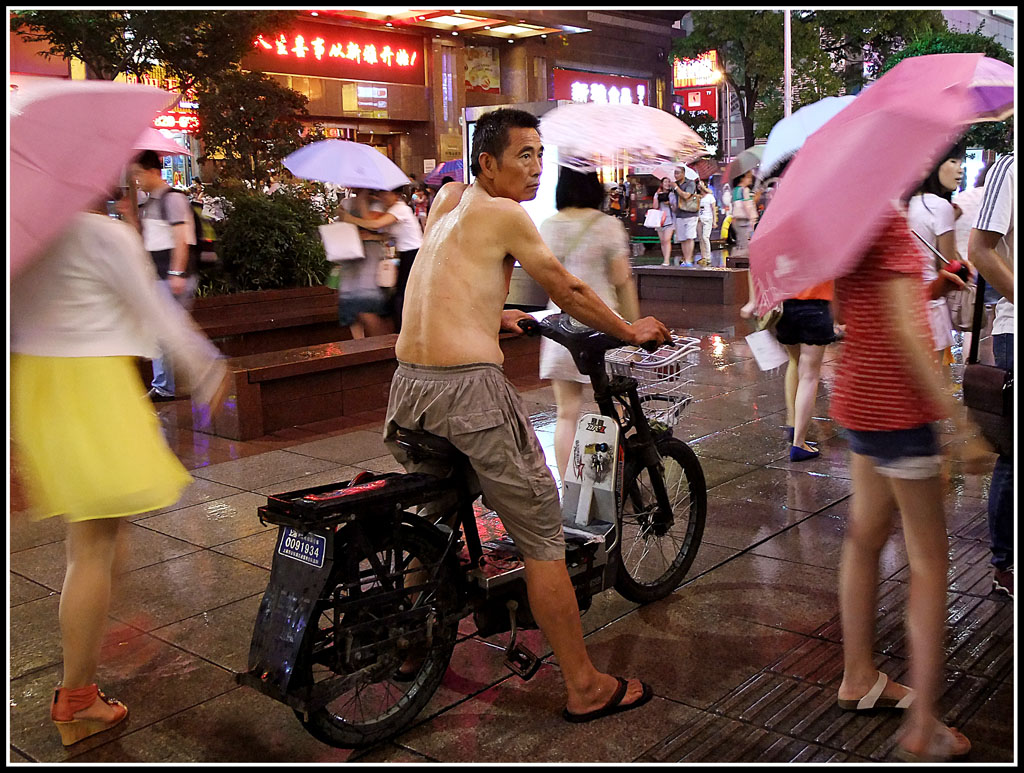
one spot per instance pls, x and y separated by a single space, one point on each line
491 132
578 189
149 159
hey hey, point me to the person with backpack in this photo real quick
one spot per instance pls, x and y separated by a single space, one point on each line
169 235
686 205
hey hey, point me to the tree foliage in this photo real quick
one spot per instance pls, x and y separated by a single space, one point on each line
829 49
252 121
192 46
991 135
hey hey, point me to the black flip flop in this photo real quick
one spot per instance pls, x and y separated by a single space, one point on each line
614 704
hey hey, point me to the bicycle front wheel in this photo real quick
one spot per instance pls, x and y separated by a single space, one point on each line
658 548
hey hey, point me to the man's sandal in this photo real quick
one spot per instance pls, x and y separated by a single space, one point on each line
874 699
614 704
947 744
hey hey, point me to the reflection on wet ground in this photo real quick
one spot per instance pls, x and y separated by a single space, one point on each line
744 658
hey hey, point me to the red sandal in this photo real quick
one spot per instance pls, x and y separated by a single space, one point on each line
69 702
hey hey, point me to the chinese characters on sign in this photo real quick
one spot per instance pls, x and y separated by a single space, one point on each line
702 71
599 87
702 101
182 117
327 50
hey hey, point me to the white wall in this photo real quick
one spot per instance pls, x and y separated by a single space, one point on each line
996 27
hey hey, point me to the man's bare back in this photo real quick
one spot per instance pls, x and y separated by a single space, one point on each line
459 281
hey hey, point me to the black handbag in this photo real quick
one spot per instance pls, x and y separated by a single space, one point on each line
988 390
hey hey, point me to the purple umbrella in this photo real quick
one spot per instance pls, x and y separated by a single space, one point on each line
453 169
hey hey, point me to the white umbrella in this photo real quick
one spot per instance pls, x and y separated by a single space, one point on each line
789 134
346 163
57 166
591 134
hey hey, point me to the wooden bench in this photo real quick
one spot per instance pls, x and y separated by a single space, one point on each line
270 320
276 390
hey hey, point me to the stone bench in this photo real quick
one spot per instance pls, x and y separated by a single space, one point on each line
691 284
275 390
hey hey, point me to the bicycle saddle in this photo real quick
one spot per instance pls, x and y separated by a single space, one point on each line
423 445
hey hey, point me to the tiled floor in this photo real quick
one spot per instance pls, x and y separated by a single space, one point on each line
744 658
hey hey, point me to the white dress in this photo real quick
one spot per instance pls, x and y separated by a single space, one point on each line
585 241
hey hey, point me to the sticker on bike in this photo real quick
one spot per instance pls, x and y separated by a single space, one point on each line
302 546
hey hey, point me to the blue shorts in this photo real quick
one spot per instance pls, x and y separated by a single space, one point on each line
805 322
911 454
350 305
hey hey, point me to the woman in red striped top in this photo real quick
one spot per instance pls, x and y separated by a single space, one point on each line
889 395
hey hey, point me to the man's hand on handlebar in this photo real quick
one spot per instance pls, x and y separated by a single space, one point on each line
510 320
647 330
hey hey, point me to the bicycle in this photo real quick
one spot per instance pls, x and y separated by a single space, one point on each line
361 613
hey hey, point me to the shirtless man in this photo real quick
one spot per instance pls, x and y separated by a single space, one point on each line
449 381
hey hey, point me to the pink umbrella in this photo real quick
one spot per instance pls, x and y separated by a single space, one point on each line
69 141
831 200
154 139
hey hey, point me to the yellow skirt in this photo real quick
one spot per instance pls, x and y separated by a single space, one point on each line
88 441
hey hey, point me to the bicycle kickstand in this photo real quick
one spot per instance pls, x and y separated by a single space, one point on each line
518 658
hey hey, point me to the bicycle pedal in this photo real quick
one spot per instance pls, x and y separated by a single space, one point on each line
521 662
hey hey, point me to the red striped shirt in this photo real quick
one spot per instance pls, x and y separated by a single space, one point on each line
874 388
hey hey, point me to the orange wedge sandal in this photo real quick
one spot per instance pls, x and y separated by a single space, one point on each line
69 702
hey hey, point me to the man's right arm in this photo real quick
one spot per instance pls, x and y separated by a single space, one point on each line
570 293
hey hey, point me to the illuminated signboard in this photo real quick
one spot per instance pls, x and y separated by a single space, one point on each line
702 71
179 122
598 87
330 51
702 100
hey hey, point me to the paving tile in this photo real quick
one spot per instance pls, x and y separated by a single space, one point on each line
805 491
719 471
198 492
519 722
389 752
182 587
666 644
22 590
818 541
24 533
348 448
791 596
257 549
737 446
236 726
211 523
35 635
714 739
740 524
264 469
137 547
336 474
381 464
834 460
221 636
991 726
152 678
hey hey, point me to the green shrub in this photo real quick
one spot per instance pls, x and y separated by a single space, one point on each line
266 243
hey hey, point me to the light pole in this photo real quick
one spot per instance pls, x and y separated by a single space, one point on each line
787 66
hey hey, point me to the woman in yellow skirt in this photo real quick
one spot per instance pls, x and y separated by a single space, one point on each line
87 437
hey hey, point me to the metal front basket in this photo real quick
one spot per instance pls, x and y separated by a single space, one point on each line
659 375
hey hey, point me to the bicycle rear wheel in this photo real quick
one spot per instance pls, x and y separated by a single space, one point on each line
657 551
383 609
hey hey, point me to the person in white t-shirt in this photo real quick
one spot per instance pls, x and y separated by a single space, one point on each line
402 225
931 215
991 249
705 221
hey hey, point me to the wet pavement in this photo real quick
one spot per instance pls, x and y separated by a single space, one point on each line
744 658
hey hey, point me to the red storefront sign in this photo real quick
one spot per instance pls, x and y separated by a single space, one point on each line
580 86
700 100
330 51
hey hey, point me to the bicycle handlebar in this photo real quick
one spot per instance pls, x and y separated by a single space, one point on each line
586 345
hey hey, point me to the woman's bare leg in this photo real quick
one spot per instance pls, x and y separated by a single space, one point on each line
792 380
569 400
666 246
809 373
85 602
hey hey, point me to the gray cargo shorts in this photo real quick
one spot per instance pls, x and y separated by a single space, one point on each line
476 409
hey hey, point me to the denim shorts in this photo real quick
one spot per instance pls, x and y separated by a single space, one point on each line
805 322
911 454
351 304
